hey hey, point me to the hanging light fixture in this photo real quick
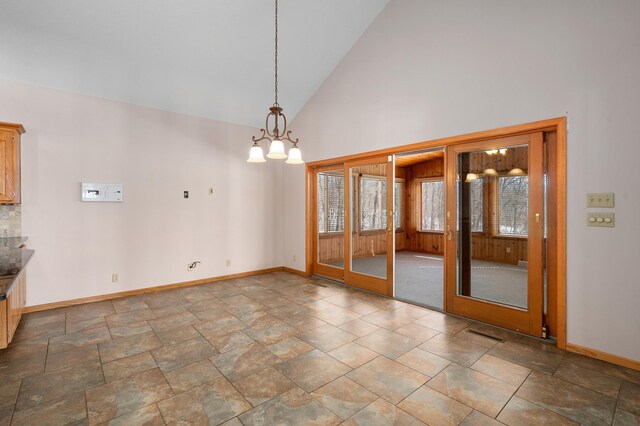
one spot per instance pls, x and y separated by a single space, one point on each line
277 135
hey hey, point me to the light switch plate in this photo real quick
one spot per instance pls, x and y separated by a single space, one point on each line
600 199
601 219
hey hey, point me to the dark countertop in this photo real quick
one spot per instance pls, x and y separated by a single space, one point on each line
13 242
12 262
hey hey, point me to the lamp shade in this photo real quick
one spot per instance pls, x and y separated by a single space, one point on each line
276 150
516 172
490 172
255 155
295 156
471 177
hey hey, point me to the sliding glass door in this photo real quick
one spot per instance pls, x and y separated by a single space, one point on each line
370 225
329 241
494 230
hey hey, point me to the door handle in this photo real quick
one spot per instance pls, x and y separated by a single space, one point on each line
449 232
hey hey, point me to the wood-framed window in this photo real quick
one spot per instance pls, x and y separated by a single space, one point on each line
513 205
372 201
398 204
432 214
330 203
432 217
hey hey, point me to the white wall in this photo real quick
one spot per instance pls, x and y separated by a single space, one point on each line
431 69
150 237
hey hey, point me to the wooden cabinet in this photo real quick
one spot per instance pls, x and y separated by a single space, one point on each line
10 162
11 309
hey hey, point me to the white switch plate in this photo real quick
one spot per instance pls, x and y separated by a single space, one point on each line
601 219
600 199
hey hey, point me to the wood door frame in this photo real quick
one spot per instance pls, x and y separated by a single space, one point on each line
528 320
557 171
369 282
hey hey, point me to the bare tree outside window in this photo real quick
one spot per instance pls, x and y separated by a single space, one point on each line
432 206
330 203
477 205
397 205
514 205
373 203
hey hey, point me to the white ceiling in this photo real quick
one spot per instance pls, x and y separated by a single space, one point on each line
209 58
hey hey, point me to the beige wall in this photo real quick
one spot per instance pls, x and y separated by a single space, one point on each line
150 237
431 69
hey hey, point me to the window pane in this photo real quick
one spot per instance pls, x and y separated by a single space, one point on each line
373 204
514 205
322 203
477 206
433 206
330 203
335 203
397 205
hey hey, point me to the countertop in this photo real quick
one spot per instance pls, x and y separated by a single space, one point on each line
12 262
13 242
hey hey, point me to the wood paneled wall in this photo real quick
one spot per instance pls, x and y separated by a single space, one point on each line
484 246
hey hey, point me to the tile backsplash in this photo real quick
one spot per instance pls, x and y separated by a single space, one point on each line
10 220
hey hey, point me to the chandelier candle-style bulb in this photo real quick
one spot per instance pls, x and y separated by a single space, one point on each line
277 134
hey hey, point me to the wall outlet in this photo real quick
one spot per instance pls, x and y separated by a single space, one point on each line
210 191
508 249
115 277
228 262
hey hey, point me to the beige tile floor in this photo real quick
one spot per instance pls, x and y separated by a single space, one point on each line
283 349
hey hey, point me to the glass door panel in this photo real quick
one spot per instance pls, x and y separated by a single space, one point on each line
330 217
371 224
494 225
492 257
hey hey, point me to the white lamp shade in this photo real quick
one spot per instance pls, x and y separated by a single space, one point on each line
516 172
295 156
276 150
490 172
255 155
471 177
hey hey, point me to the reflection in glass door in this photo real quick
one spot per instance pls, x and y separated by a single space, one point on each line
370 225
495 224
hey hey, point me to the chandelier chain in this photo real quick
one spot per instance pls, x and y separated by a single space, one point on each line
276 59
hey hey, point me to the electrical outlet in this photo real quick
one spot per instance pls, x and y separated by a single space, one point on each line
186 194
228 262
508 249
115 277
210 191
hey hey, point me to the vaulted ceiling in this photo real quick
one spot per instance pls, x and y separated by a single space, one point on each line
209 58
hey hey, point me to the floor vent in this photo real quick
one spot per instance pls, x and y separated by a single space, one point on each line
485 335
319 285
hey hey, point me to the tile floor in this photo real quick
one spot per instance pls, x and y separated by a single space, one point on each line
281 349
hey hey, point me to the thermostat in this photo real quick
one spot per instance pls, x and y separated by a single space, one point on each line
102 192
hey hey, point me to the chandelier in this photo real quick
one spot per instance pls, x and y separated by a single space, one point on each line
279 132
